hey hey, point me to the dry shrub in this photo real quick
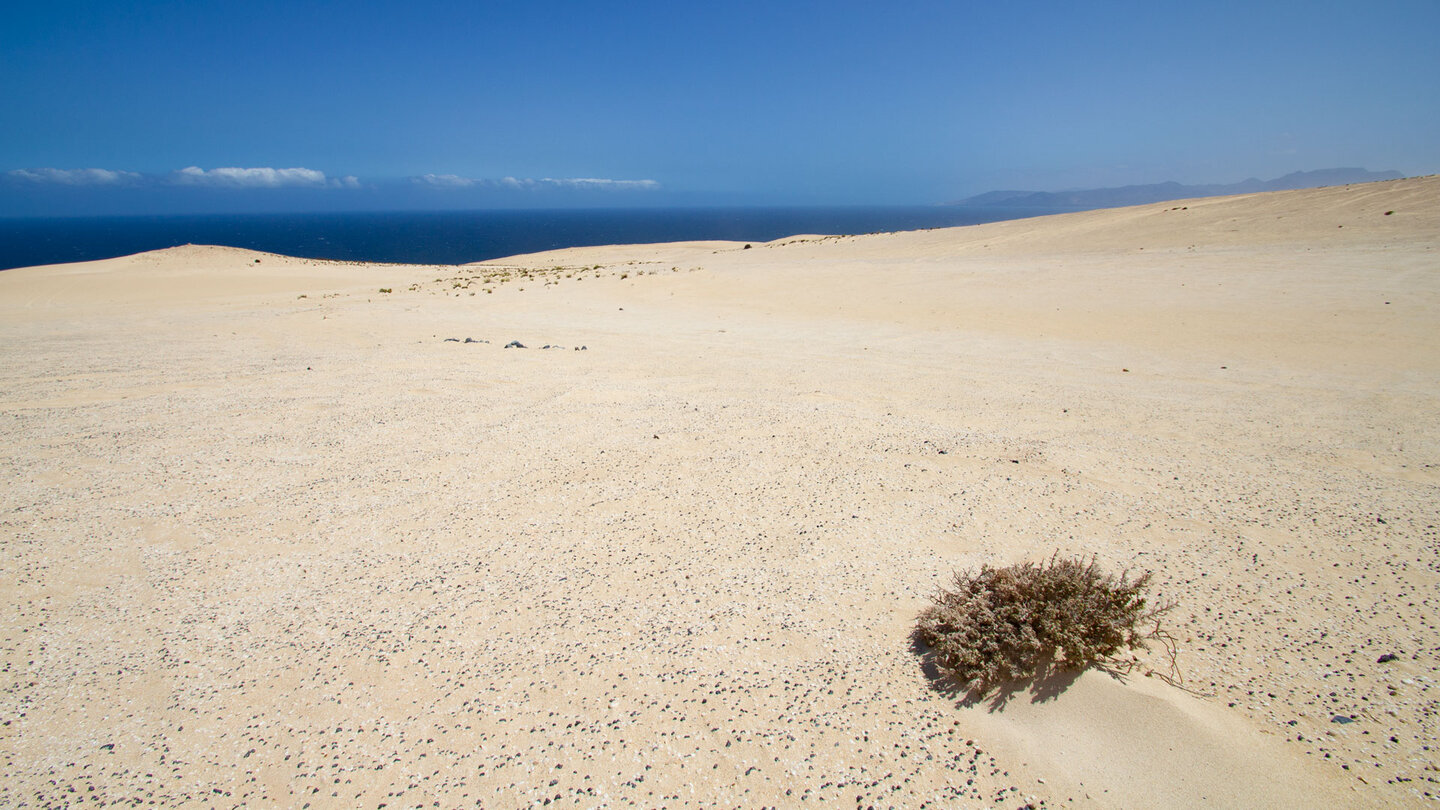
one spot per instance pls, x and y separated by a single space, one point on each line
1015 622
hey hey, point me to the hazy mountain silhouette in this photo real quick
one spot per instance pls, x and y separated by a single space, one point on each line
1160 192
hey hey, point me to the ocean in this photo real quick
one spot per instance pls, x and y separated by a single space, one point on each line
455 237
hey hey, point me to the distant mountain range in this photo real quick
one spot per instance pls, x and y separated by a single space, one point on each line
1160 192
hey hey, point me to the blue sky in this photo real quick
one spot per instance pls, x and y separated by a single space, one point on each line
197 106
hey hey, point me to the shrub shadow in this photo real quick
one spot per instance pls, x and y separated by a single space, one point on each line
1049 682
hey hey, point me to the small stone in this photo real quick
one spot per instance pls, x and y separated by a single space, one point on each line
1387 658
514 344
1342 719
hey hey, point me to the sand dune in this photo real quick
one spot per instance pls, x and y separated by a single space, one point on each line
273 536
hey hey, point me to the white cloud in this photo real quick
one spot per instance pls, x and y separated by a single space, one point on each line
263 177
190 176
602 183
445 181
456 181
75 177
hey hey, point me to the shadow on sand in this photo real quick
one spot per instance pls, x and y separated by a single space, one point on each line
1049 682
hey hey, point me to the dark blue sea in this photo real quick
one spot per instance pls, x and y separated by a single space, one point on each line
454 237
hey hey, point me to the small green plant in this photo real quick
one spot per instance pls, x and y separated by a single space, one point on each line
386 289
1016 622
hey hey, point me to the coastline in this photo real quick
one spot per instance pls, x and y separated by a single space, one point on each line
454 237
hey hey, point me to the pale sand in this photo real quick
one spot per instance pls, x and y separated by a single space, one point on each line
269 549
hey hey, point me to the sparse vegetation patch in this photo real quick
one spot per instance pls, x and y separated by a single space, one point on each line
1003 624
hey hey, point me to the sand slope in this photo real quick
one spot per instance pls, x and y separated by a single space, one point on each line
270 538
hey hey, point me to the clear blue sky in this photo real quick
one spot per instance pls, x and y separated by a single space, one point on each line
427 103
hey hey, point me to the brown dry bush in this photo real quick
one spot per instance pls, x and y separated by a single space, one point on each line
1015 622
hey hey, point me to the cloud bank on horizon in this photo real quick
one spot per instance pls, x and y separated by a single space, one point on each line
225 177
74 177
266 177
49 191
597 183
259 178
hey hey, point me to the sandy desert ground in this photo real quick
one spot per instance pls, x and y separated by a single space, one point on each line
271 536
